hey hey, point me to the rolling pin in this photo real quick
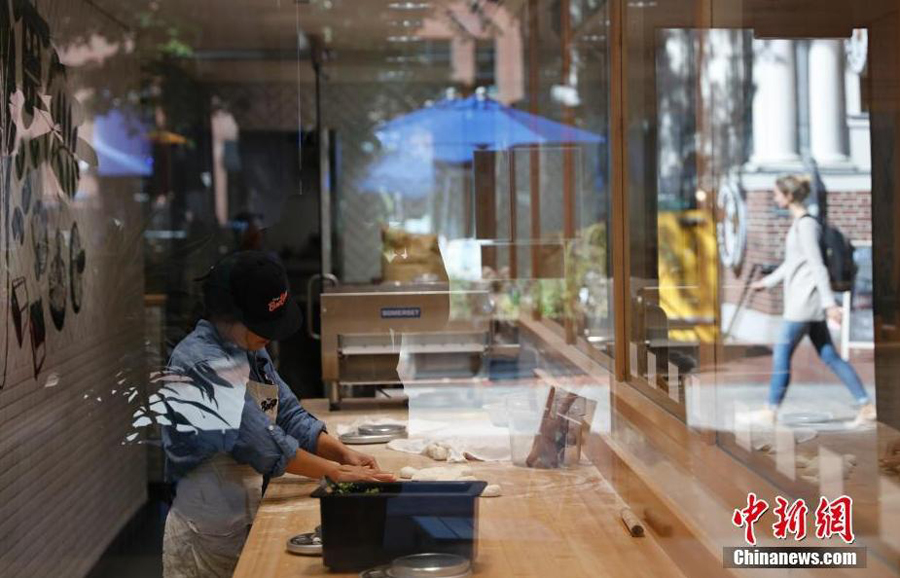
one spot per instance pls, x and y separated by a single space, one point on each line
632 523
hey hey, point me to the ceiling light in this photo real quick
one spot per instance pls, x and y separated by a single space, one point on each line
407 23
406 59
403 38
408 5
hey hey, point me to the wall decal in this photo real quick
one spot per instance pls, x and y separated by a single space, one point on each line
21 163
40 239
26 193
40 158
77 262
57 279
5 303
42 80
18 226
5 189
8 60
35 40
38 335
4 332
19 306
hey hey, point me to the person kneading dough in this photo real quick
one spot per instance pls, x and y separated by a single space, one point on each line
232 421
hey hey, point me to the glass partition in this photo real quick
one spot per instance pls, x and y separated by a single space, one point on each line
617 260
750 195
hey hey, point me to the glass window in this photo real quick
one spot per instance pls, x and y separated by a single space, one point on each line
750 196
613 260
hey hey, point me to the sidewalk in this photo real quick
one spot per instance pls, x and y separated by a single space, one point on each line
806 367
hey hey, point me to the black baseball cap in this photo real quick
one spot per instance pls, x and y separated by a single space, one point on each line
253 287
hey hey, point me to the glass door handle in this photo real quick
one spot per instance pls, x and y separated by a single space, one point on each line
310 329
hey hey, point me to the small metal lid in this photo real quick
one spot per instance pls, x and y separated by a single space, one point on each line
382 429
354 438
436 565
309 544
377 572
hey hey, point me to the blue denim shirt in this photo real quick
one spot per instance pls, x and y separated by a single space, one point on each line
198 361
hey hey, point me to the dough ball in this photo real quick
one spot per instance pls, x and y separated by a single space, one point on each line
467 479
428 475
439 474
492 491
408 472
437 452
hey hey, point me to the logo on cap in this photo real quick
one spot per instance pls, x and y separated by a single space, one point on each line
278 302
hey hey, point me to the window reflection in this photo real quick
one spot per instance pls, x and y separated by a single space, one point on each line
436 179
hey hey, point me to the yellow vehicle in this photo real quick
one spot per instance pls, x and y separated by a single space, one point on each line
688 274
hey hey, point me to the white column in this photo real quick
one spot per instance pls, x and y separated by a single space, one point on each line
224 129
827 115
774 104
462 59
853 91
857 121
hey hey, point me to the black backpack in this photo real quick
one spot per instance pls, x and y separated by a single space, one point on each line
837 254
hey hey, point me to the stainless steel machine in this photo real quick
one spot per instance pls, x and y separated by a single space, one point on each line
429 332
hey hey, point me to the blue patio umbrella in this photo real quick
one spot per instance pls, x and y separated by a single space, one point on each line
122 146
402 173
452 129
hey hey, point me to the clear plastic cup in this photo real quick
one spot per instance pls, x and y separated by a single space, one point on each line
523 415
562 445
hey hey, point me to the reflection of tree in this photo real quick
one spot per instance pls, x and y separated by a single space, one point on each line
160 46
586 274
731 100
676 83
138 58
709 67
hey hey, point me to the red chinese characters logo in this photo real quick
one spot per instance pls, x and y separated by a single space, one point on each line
746 517
832 518
835 518
791 518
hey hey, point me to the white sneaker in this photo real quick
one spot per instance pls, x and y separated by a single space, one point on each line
765 416
865 416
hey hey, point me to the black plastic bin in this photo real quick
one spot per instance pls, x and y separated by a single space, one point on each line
361 530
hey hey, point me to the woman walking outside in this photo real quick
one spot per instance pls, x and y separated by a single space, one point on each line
808 301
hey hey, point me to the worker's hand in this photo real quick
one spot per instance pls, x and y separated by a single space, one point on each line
348 473
355 458
757 286
835 315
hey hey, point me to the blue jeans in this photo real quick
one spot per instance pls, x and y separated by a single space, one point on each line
792 333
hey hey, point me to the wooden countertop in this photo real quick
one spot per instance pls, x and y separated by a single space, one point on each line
559 523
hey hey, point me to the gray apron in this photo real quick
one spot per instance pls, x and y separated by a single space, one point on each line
214 508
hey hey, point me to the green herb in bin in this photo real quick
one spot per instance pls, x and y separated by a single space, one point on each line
341 488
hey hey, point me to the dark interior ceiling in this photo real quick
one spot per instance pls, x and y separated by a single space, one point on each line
257 40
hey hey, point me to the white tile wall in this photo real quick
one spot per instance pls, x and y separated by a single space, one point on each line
68 484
